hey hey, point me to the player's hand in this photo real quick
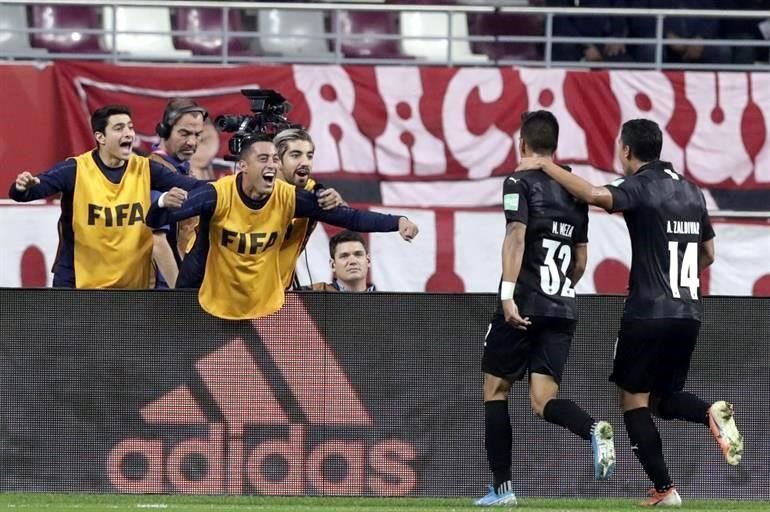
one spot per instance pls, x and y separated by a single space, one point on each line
174 198
329 198
532 162
407 229
512 316
26 181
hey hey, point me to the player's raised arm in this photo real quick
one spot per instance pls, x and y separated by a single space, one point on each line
350 218
28 187
329 198
175 205
163 179
575 185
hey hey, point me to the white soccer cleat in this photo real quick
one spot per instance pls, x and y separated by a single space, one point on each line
669 498
725 431
603 450
493 499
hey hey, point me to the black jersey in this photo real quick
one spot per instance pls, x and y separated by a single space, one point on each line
556 223
667 220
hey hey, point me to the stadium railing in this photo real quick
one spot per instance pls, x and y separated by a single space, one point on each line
334 34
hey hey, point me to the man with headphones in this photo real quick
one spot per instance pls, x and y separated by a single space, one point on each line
180 133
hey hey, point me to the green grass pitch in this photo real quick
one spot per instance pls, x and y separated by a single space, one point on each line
106 502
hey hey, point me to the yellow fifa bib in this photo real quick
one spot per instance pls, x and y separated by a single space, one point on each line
294 243
242 279
112 246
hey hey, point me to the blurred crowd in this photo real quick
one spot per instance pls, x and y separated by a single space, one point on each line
678 28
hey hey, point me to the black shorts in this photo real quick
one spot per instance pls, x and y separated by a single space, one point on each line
653 356
542 348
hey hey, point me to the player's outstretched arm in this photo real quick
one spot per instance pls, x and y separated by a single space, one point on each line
329 198
176 204
575 185
513 253
350 218
58 179
163 179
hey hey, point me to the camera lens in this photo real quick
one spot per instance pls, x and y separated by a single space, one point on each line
228 123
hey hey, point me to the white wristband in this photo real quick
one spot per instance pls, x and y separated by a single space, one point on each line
506 290
162 200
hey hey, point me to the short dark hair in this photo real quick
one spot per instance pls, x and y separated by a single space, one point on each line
345 236
540 131
101 116
643 137
251 139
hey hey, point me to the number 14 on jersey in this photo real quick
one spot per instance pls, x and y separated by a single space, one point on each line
683 274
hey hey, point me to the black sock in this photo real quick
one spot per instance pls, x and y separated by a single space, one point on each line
568 414
647 446
684 406
497 440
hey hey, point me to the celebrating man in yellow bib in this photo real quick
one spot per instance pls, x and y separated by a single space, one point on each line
103 240
295 150
244 220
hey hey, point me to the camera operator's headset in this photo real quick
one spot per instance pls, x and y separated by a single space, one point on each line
172 115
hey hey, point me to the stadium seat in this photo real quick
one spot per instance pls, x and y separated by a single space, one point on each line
415 24
14 17
363 23
206 19
72 18
293 26
505 25
155 19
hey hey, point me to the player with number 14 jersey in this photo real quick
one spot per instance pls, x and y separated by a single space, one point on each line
667 221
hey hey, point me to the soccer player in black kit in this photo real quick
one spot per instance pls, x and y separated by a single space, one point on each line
544 255
672 243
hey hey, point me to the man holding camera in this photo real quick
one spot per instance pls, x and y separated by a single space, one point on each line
244 221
